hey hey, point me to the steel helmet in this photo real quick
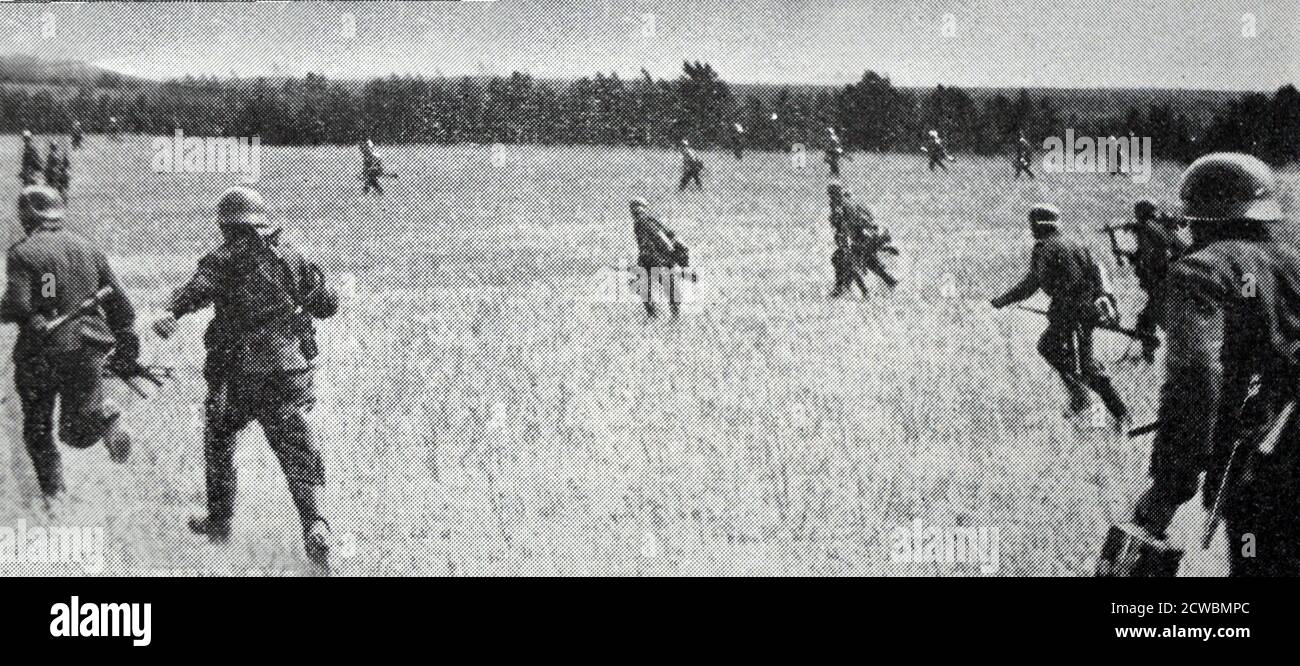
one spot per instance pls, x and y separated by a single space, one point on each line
244 207
37 204
1144 209
1043 218
1229 186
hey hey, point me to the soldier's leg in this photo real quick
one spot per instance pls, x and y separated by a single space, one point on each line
1057 347
37 392
699 184
672 286
873 264
283 415
1094 375
648 279
84 418
685 180
226 414
841 273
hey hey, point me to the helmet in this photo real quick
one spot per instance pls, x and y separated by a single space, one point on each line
933 133
1144 209
1229 186
39 203
638 204
244 207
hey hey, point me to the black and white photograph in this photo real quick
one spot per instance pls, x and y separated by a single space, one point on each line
907 289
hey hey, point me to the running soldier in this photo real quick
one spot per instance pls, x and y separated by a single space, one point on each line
691 167
937 151
54 273
859 241
1233 318
31 161
261 348
661 258
1024 155
77 134
738 141
834 151
1158 246
1064 268
58 171
372 168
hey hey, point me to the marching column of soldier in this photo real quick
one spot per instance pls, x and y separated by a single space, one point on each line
1220 280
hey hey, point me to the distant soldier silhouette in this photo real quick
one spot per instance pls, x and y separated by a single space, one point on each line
691 167
31 161
859 242
58 171
1226 408
937 152
372 168
660 258
77 134
261 350
53 272
834 151
738 141
1064 268
1024 156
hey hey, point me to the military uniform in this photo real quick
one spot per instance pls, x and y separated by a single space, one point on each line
260 350
1233 318
31 162
372 169
1023 157
858 244
660 257
58 171
1157 248
1065 269
51 273
937 152
834 152
692 166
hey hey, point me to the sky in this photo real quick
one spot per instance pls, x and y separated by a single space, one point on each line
1021 43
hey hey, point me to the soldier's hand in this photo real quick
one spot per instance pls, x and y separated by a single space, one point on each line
128 345
166 326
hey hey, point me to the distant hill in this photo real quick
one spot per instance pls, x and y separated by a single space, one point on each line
32 71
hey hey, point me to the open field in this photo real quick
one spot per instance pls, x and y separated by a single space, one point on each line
483 411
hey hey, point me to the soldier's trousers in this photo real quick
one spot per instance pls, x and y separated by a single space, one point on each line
667 276
1022 167
1067 347
849 265
937 162
75 380
279 402
372 183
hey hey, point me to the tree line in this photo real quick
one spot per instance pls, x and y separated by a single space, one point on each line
870 114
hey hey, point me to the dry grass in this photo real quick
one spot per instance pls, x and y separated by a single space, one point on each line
483 413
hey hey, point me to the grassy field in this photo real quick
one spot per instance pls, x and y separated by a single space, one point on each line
484 409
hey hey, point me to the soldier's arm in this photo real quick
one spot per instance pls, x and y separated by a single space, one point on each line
1189 400
199 291
16 308
1028 285
318 298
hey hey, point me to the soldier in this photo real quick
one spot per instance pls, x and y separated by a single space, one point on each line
51 273
77 134
372 168
937 151
58 171
1024 154
834 151
660 257
691 167
1066 270
31 161
738 141
1233 318
1158 246
261 346
858 243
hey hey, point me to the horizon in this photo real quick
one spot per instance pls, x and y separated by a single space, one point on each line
812 43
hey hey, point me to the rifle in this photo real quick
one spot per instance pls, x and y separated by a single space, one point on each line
1114 328
86 306
128 370
1266 445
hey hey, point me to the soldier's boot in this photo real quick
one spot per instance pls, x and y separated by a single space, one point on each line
216 530
316 543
